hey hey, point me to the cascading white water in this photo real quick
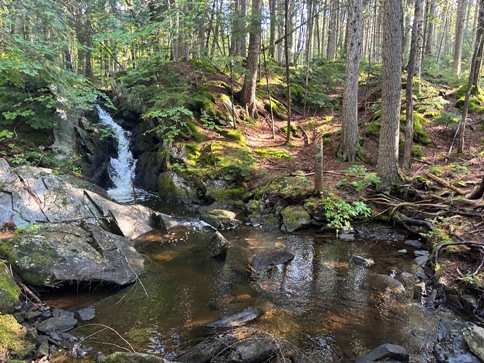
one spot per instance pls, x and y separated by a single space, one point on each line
121 169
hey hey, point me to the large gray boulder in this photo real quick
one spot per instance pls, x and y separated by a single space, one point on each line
31 195
220 215
175 189
74 254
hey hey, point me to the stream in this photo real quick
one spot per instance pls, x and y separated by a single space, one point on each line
321 302
319 299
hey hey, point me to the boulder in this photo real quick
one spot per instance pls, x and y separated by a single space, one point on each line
235 320
475 340
295 218
87 313
266 259
385 351
9 290
218 245
74 254
175 189
220 215
31 195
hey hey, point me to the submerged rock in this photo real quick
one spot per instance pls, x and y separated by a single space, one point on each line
235 320
266 259
57 325
389 283
133 358
74 254
362 261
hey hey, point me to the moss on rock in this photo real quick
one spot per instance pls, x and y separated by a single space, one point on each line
9 290
278 109
12 338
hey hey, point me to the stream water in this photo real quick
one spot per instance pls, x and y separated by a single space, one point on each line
318 300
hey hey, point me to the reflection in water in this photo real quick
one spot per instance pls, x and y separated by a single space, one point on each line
317 298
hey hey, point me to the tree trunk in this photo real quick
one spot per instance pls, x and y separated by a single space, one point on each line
288 73
417 23
350 98
430 34
387 165
247 94
477 62
459 36
318 164
332 31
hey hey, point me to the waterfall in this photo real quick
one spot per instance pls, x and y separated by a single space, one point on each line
121 169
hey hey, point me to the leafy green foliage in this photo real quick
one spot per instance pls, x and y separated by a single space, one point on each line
358 178
170 123
336 211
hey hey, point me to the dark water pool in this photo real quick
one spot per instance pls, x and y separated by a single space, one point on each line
317 298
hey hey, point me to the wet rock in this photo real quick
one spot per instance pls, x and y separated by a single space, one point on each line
362 261
421 261
390 283
56 313
132 358
419 253
175 189
72 254
9 290
266 259
419 290
414 243
56 325
295 218
385 351
87 313
220 215
235 320
241 345
475 340
30 195
218 245
451 346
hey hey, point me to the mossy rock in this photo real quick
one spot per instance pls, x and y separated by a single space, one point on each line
234 134
13 340
273 153
294 218
293 130
297 93
373 128
278 109
195 130
420 136
175 189
9 290
228 194
475 104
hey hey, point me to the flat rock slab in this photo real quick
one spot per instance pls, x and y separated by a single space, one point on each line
235 320
57 325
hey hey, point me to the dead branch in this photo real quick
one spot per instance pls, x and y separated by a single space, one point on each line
444 183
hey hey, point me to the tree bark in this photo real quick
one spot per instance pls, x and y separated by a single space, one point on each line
417 23
459 36
247 94
387 165
318 164
350 98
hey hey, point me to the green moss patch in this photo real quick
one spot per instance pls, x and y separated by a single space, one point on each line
12 338
278 109
273 153
9 290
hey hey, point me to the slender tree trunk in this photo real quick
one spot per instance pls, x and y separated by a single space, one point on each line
288 73
387 165
350 98
459 36
247 94
417 23
477 63
272 27
430 35
333 31
318 164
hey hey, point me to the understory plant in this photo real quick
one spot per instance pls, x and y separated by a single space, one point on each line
338 213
